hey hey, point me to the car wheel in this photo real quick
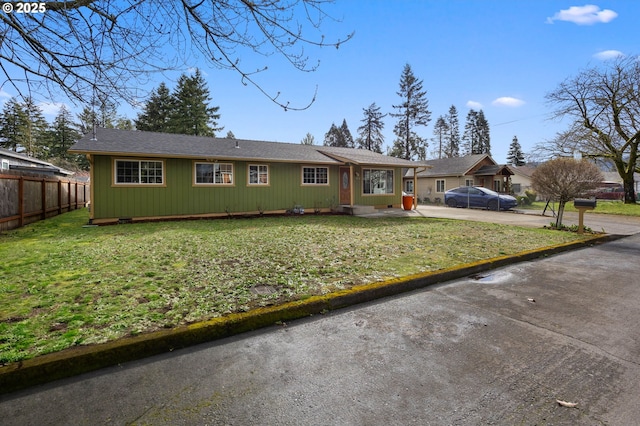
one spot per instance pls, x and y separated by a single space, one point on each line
492 205
451 202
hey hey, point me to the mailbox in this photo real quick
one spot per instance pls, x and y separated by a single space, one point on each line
584 203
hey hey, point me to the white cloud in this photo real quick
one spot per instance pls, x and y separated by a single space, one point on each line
474 105
608 54
588 14
4 94
51 108
508 102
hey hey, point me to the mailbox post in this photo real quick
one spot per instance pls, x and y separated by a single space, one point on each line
582 205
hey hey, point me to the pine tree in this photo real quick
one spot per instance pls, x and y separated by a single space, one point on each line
476 134
23 127
470 135
515 156
370 133
191 114
87 118
157 111
412 112
347 138
484 134
12 122
453 148
333 137
308 140
441 132
62 134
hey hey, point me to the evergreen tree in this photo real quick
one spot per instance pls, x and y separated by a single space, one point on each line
157 111
230 135
347 138
441 132
476 134
23 127
412 112
333 137
470 135
453 148
192 114
87 118
62 134
106 117
308 140
370 133
12 123
515 155
484 134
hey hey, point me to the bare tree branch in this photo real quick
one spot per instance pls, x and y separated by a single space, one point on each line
90 49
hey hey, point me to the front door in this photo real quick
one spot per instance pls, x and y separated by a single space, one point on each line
345 185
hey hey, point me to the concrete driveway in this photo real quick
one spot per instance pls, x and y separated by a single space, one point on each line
499 348
611 224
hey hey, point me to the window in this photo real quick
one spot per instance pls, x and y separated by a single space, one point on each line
440 185
408 188
516 188
497 185
4 165
468 182
143 172
214 173
315 175
375 181
258 174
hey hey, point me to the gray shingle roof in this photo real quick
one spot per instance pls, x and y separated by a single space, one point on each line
150 144
454 166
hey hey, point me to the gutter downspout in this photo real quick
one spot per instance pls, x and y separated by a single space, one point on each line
415 185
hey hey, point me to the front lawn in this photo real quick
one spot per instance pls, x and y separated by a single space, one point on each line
62 284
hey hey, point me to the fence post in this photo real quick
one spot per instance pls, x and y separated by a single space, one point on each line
43 189
59 197
21 201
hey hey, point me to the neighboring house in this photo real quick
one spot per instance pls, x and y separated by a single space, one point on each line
11 160
449 173
521 179
144 175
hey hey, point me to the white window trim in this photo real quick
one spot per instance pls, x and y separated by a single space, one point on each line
267 183
139 161
4 164
393 189
444 185
195 174
303 183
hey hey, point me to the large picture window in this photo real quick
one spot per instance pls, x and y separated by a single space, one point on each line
258 174
315 175
214 173
376 181
143 172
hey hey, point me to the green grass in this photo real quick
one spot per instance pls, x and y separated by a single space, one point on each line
62 284
602 207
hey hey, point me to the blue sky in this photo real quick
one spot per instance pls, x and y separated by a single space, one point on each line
501 56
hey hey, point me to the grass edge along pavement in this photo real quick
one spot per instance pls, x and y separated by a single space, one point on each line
82 359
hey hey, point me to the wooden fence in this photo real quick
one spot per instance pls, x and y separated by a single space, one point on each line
27 198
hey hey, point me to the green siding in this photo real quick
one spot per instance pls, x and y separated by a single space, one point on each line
379 200
180 197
